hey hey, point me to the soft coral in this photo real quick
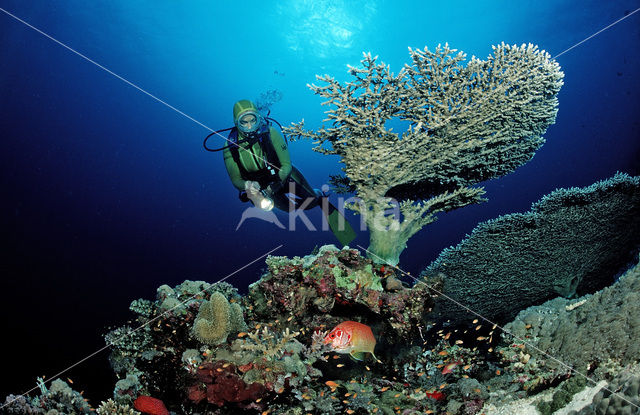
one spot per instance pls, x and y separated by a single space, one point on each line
222 384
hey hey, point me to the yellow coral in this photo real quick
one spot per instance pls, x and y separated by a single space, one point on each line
216 319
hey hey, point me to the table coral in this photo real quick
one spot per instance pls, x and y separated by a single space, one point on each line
572 242
613 313
463 125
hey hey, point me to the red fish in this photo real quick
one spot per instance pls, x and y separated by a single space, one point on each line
450 367
151 406
353 338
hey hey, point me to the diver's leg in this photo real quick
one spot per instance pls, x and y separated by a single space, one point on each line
306 197
280 199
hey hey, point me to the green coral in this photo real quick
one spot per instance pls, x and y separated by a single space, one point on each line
127 347
127 388
562 396
59 398
357 279
272 358
216 319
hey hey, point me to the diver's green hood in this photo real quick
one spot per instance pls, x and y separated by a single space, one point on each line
241 107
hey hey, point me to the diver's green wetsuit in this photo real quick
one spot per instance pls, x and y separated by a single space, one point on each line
253 159
259 154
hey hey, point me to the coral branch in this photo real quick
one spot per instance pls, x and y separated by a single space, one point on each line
463 125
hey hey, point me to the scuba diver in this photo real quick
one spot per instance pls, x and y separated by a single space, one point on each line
259 166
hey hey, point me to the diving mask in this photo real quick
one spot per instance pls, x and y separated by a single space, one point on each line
249 122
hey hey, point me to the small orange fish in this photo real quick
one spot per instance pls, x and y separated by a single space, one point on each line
450 367
331 384
353 338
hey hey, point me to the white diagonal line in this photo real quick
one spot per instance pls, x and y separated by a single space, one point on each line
596 33
57 375
497 325
105 69
126 81
226 139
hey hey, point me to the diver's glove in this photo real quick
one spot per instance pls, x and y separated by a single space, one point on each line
258 197
252 188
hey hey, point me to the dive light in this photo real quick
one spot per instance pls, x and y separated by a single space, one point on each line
266 203
258 197
261 200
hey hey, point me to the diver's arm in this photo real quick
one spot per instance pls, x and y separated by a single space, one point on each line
233 170
283 154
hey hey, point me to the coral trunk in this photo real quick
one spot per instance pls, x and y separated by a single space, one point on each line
386 246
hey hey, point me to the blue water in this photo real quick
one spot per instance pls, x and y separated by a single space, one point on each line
108 193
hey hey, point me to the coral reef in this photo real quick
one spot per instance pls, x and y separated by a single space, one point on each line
621 396
111 407
282 365
58 399
281 361
566 332
337 282
270 352
572 241
153 359
464 125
